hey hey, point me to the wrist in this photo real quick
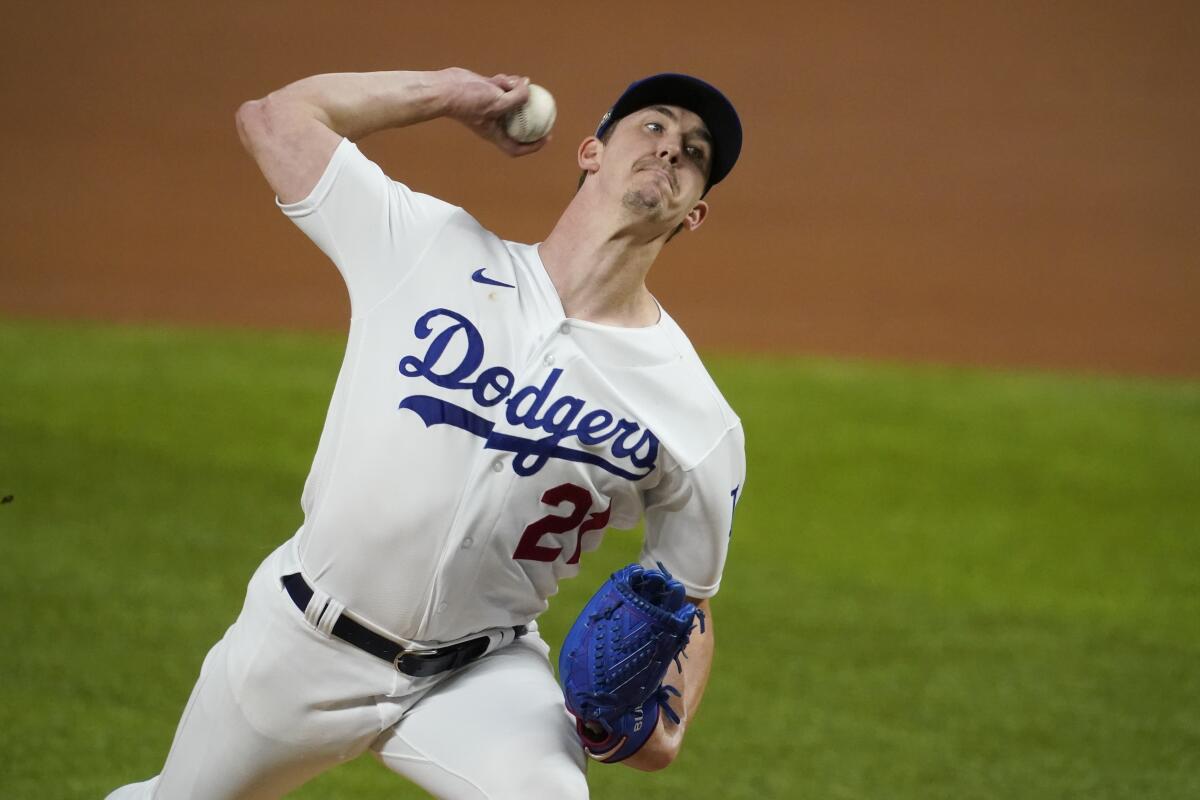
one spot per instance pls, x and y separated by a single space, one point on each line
419 96
660 750
447 91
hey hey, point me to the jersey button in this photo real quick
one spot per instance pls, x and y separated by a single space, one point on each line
564 328
442 607
467 542
497 466
549 359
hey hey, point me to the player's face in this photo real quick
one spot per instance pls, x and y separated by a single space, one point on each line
661 157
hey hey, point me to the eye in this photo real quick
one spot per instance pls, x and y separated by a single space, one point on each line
655 126
697 154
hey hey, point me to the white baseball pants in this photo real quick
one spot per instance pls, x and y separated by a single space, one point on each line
279 702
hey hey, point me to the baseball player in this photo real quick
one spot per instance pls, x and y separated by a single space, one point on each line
499 407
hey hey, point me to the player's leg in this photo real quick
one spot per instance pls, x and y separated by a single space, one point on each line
217 752
496 730
276 704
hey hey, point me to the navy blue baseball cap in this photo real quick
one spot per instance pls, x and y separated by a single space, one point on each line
703 99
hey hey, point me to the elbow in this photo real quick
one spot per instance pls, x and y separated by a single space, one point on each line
251 122
259 121
278 117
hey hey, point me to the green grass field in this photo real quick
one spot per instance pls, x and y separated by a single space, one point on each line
943 583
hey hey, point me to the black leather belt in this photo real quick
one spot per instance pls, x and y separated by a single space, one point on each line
418 663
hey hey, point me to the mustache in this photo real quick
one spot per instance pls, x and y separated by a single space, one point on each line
656 163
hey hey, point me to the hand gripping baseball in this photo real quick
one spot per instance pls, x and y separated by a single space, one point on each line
482 103
616 655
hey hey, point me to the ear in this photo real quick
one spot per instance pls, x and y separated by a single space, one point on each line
590 154
695 218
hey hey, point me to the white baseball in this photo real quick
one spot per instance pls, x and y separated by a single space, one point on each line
533 120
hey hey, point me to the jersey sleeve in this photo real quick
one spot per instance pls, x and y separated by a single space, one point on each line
374 229
689 516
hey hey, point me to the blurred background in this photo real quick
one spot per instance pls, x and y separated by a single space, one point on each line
952 289
999 183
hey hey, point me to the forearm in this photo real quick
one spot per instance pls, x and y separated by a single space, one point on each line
690 678
293 132
354 105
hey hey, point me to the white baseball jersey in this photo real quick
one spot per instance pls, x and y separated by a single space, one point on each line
479 442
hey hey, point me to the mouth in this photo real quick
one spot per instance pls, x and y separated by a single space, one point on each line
657 170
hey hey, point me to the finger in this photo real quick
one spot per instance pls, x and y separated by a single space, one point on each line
517 149
514 98
506 81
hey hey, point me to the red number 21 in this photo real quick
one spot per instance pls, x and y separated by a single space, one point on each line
530 547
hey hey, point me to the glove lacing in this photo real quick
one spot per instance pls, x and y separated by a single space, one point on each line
600 705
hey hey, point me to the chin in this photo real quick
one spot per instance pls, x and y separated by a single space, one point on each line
642 200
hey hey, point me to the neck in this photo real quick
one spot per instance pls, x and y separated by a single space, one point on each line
599 264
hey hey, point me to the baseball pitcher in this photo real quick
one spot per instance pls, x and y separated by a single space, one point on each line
499 407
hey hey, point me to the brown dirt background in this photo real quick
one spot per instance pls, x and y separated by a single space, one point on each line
1002 184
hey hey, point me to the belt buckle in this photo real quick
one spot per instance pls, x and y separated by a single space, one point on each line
418 653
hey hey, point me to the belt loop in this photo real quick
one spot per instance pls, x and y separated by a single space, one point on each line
506 637
315 609
333 610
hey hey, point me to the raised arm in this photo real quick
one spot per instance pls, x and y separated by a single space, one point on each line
662 748
292 132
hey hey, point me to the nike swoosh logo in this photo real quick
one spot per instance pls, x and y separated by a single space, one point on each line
479 277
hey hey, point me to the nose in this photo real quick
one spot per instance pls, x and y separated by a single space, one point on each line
669 150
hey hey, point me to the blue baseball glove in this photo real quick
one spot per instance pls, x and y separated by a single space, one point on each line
615 657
